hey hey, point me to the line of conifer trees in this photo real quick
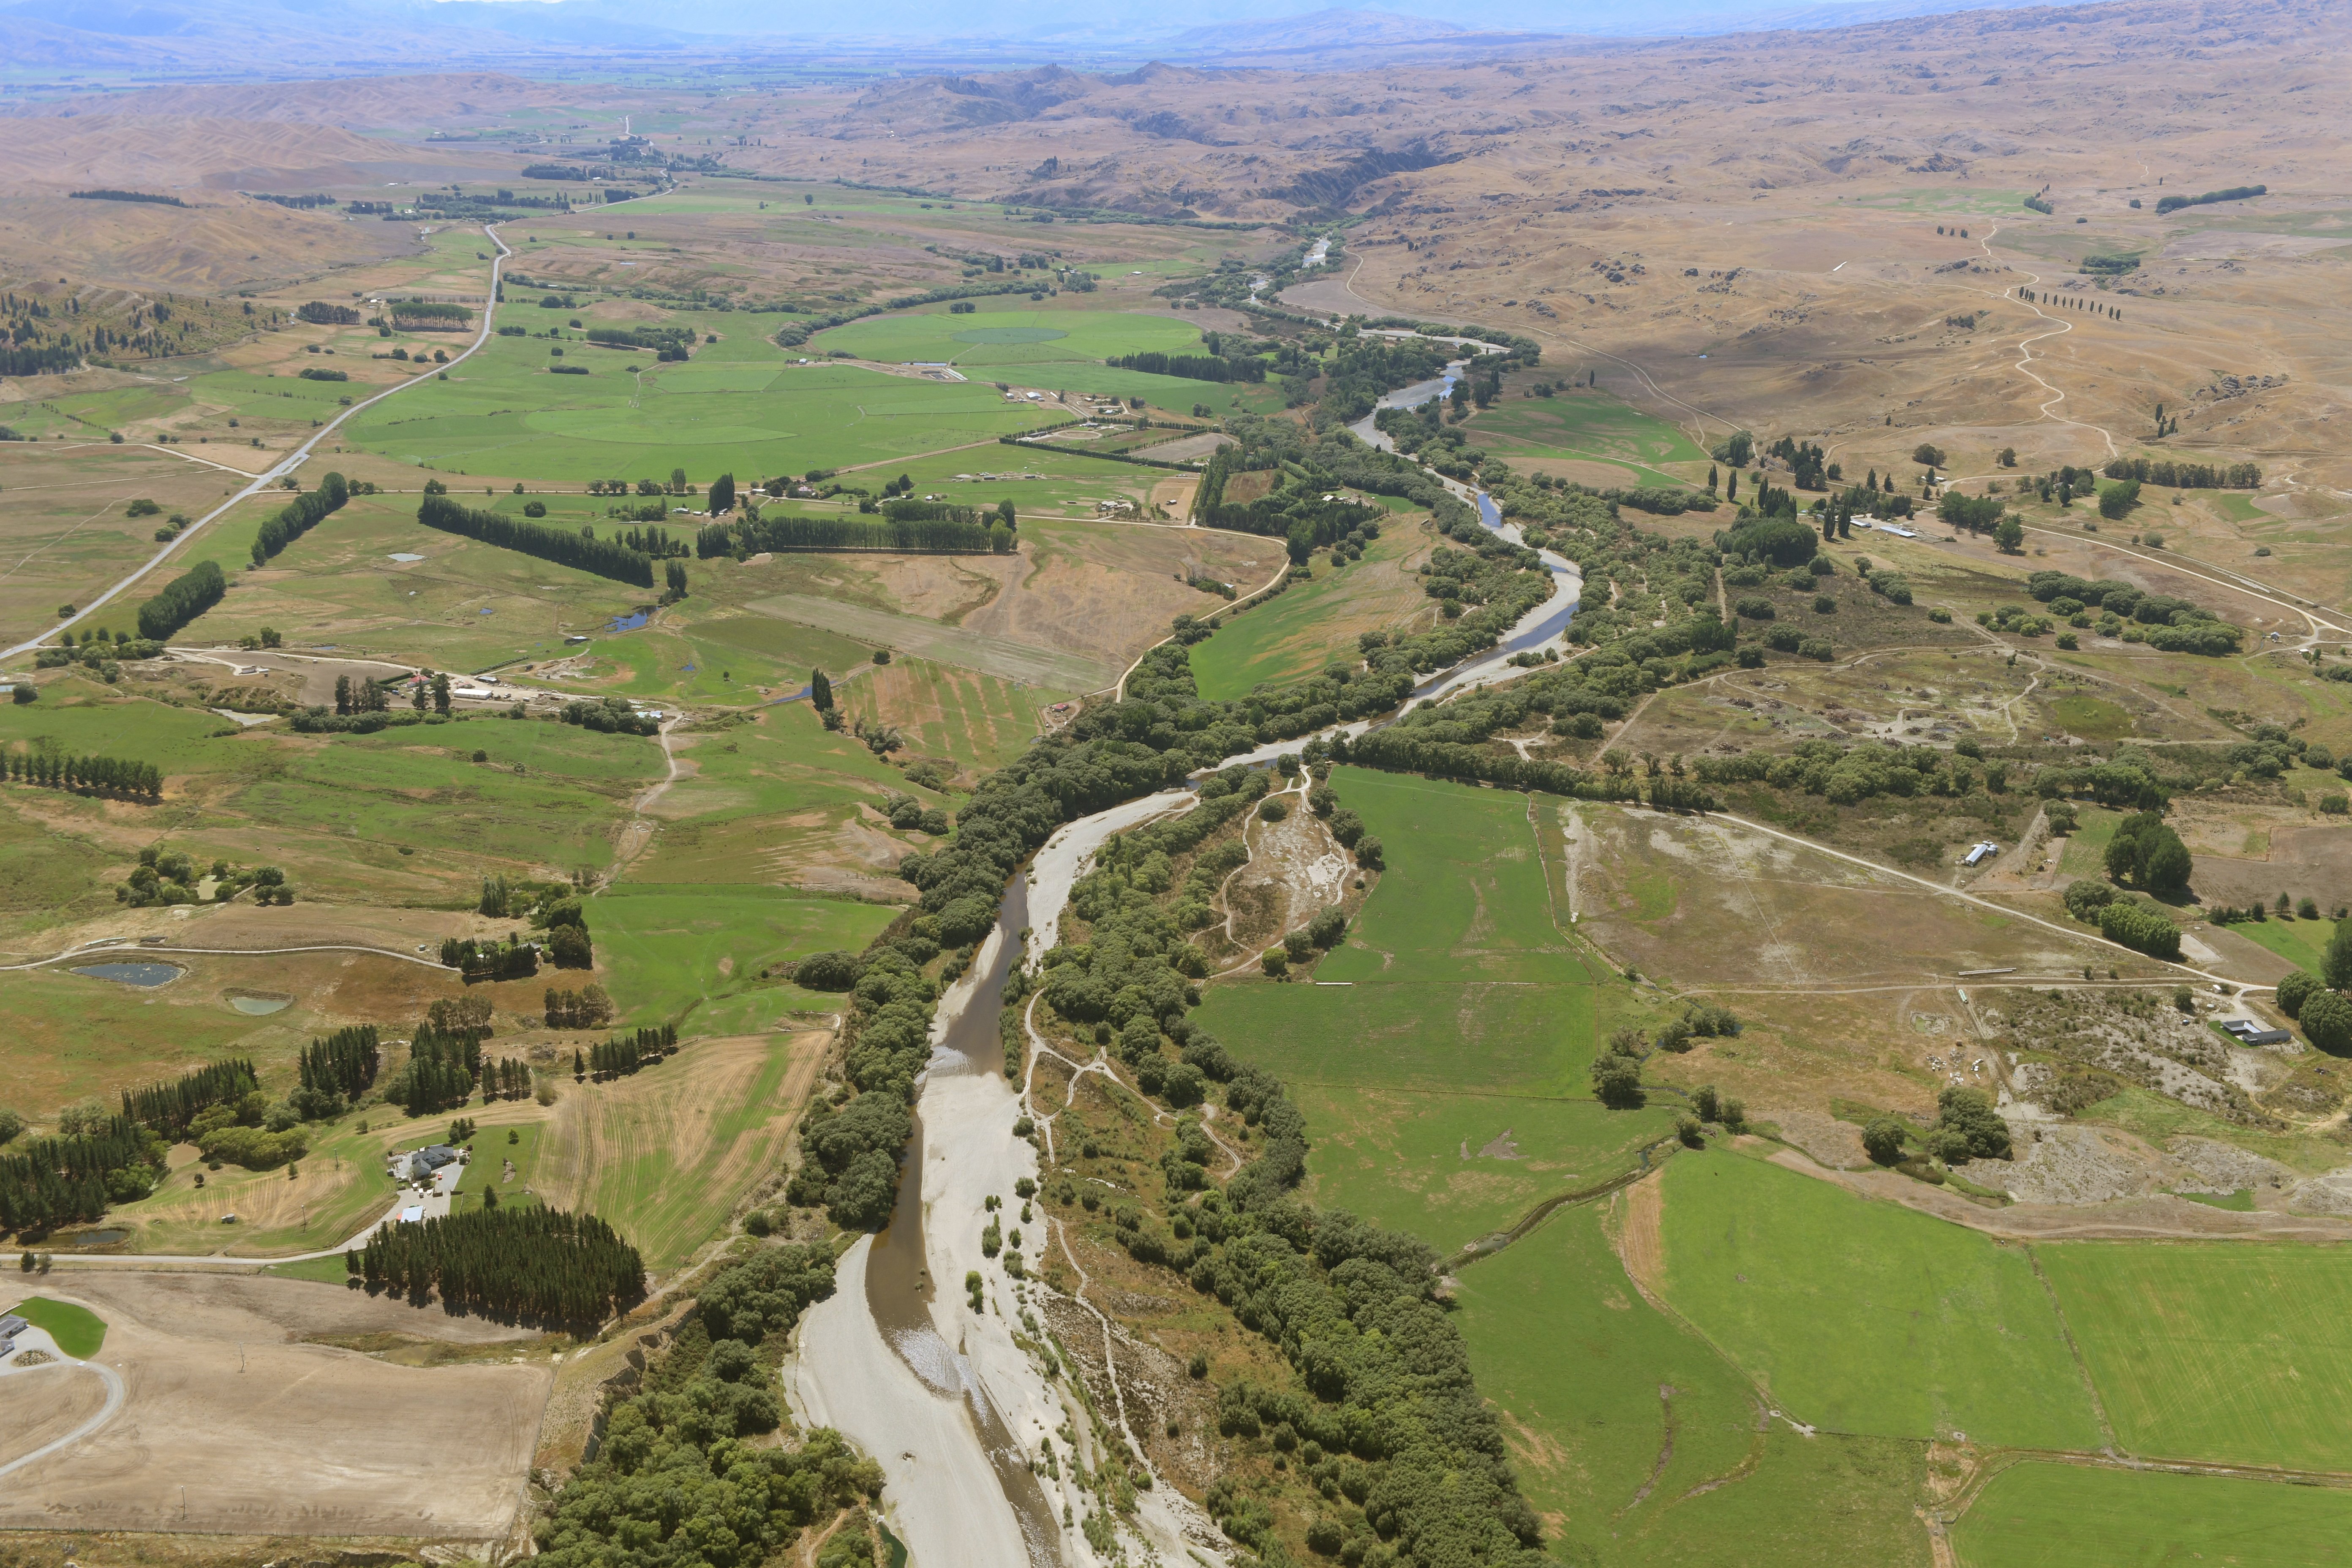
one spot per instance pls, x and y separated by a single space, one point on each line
541 1265
509 1077
910 536
298 516
2183 476
344 1063
169 1106
603 557
183 598
624 1054
111 775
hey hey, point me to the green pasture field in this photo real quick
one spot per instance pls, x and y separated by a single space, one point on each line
1865 1318
1945 199
776 801
501 412
1464 896
487 1171
1453 1168
2092 718
2041 1515
1010 344
1308 625
2303 943
342 1186
1585 425
1617 1417
1067 481
976 719
336 812
1445 1081
672 950
77 1330
2213 1351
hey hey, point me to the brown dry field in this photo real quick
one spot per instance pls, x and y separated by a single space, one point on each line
303 1437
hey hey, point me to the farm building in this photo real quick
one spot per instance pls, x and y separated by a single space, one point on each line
2251 1033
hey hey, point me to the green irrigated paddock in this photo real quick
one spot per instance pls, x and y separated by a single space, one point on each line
2236 1354
994 339
672 950
740 406
1309 625
1862 1316
2080 1516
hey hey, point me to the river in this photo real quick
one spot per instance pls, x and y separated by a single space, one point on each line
948 1400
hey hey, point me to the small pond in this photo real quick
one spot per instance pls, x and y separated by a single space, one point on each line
260 1006
135 973
629 623
94 1238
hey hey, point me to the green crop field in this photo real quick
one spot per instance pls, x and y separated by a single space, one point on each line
675 951
501 412
2080 1516
1009 342
2213 1351
1640 1445
1589 424
1308 625
77 1330
1454 1167
1863 1317
1445 1081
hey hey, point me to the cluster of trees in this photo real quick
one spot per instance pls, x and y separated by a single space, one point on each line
668 342
111 194
2319 1003
2186 475
296 518
670 1480
442 1069
2146 852
586 1009
850 1160
1848 776
70 1178
508 1077
170 1107
106 775
538 1265
429 316
1192 367
907 536
624 1054
609 716
487 959
2172 625
320 313
183 598
603 557
338 1069
2125 921
2231 193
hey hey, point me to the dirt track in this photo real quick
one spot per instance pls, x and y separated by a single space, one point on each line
298 1439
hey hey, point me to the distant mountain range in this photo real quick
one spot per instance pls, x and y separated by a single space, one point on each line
213 39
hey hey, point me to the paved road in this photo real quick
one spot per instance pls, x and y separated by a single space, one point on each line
284 466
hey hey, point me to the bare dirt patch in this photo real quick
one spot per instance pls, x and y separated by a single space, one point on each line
268 1434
